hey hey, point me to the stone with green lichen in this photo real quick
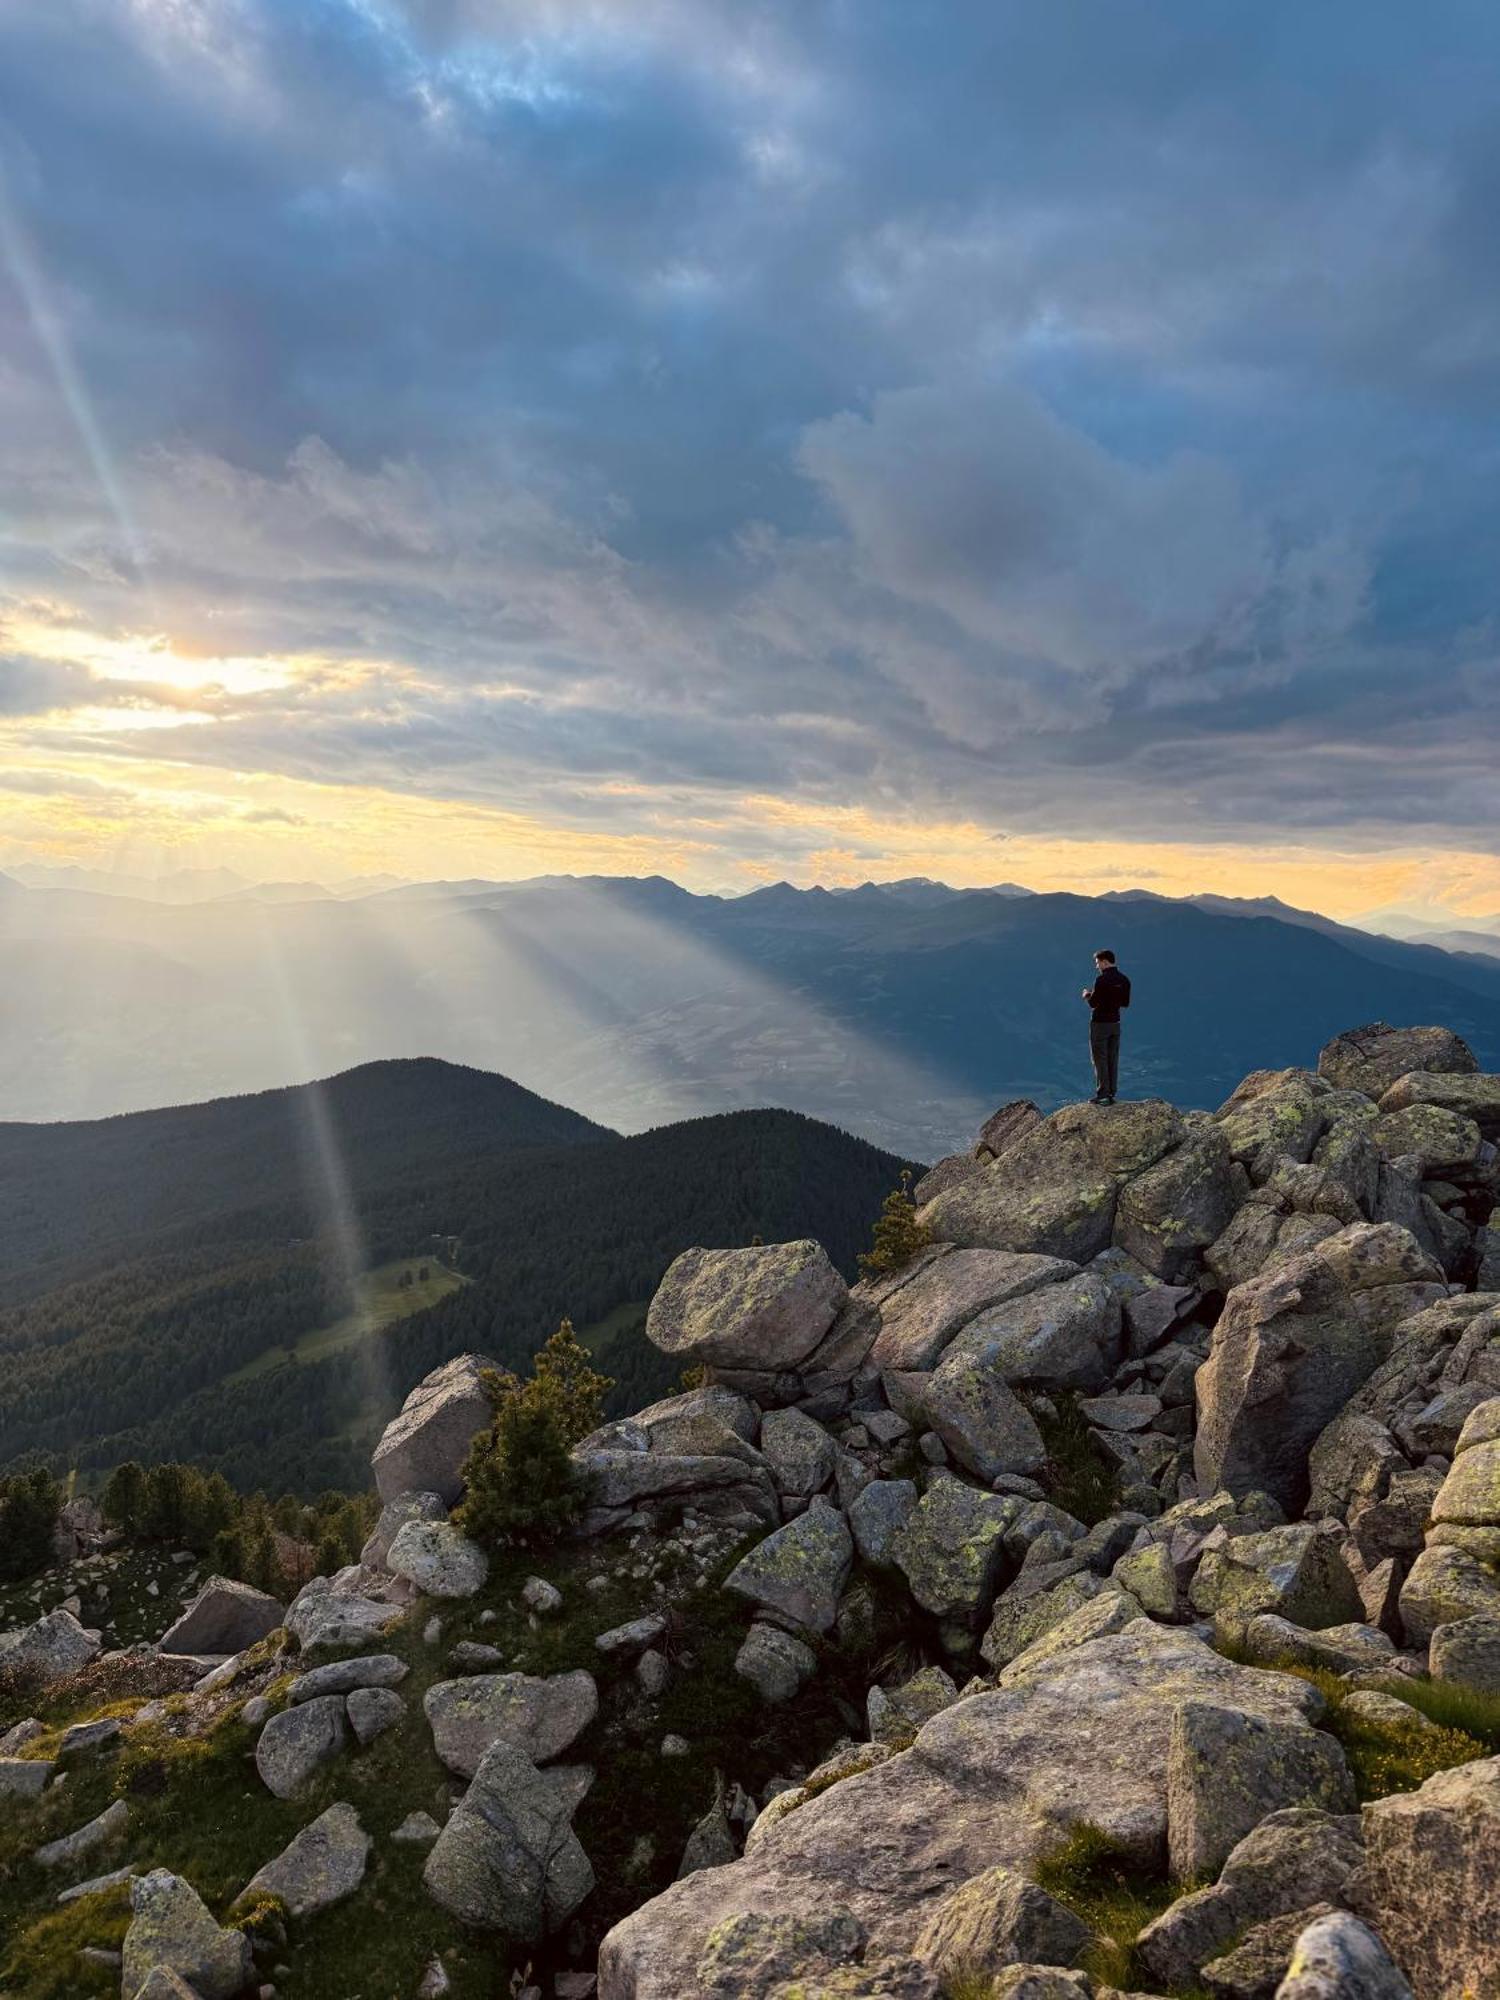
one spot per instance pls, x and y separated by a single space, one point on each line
1297 1571
1170 1214
750 1953
1226 1770
896 1714
1438 1137
1065 1336
1150 1576
1371 1058
1470 1495
999 1919
987 1430
798 1573
1054 1192
1110 1611
508 1860
1021 1617
1445 1584
324 1863
1476 1096
1274 1113
833 1770
952 1547
171 1926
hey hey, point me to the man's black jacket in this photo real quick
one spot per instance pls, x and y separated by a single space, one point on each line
1108 994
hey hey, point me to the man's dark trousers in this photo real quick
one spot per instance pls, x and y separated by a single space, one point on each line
1104 1047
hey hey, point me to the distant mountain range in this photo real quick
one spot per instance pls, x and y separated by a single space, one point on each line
255 1283
900 1011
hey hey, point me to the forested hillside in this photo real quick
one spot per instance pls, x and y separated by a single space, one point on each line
206 1242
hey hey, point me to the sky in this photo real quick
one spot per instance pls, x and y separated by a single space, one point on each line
1037 440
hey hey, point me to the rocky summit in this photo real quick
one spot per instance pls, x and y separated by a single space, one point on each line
1100 1599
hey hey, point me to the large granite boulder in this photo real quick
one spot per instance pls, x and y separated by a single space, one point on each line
1372 1058
798 1450
1055 1191
170 1926
1443 1585
539 1716
797 1575
1169 1215
1298 1572
1226 1770
1274 1115
998 1919
985 1427
423 1448
1338 1958
1063 1336
508 1859
1474 1097
747 1312
324 1863
224 1617
1443 1141
53 1648
1293 1346
1431 1886
330 1611
438 1558
951 1548
394 1516
1294 1857
918 1320
298 1741
993 1781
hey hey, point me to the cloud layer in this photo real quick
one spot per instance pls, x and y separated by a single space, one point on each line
1074 419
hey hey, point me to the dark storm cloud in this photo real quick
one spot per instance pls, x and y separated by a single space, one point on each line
934 408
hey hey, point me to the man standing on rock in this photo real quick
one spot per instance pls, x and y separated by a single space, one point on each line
1108 994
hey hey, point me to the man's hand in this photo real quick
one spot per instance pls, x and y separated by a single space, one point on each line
1088 993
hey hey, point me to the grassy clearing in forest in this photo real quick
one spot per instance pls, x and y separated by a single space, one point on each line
386 1300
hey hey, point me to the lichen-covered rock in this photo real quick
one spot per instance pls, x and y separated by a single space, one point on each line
423 1448
1054 1192
438 1558
1111 1610
1338 1958
623 1479
952 1548
991 1782
1430 1886
372 1670
985 1428
1470 1495
508 1859
372 1711
324 1863
1292 1858
1274 1115
798 1451
760 1309
1227 1770
918 1320
53 1648
1064 1336
1443 1585
224 1617
1297 1571
1473 1096
896 1714
538 1716
799 1572
170 1926
394 1516
775 1663
323 1614
1370 1059
298 1741
1169 1215
877 1514
1468 1653
1292 1347
1024 1613
1442 1140
999 1919
1150 1576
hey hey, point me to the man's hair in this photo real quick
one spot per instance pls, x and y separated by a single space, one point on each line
1107 956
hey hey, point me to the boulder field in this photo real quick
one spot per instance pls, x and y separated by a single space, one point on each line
1173 1453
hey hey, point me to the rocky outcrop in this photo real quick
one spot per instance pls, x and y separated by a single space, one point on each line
324 1863
224 1617
746 1314
171 1928
992 1781
1291 1348
1372 1058
422 1450
508 1859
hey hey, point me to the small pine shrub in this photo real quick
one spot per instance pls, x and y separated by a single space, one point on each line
520 1486
898 1236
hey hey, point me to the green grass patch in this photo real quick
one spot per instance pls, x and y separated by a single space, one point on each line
1116 1897
1386 1757
1078 1478
42 1961
386 1300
